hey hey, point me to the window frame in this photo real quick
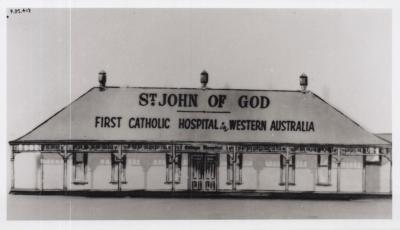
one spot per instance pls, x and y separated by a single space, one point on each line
373 162
82 164
328 165
238 172
114 166
178 168
292 170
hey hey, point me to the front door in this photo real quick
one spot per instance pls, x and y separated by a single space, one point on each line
203 173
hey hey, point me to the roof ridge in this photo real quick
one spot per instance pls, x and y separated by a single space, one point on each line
190 88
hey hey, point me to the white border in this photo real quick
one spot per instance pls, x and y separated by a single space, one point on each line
209 224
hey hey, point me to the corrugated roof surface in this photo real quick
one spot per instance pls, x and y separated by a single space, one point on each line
76 122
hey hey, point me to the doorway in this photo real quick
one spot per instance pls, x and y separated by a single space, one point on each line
203 172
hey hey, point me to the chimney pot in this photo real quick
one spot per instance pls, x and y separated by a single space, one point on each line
204 79
102 80
303 82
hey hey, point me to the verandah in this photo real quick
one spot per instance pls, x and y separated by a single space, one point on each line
173 152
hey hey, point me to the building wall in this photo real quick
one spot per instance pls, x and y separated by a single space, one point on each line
222 171
52 171
136 175
184 184
378 177
260 172
384 179
333 183
27 170
99 172
306 166
351 174
146 171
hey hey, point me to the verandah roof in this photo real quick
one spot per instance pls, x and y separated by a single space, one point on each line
77 121
385 136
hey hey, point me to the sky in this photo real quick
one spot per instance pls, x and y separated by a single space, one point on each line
54 55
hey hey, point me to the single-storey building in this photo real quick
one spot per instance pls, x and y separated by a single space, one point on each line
200 140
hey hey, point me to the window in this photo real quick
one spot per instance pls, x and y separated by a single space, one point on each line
324 169
115 168
375 158
80 162
292 167
238 168
169 168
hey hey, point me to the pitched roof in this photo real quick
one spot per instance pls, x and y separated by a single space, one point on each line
76 122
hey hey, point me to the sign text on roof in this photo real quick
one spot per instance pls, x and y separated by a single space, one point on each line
187 104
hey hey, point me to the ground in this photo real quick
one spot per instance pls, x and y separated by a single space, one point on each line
36 207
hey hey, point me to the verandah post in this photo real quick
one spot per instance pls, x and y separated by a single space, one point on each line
390 170
173 168
287 161
234 160
41 171
65 159
364 173
390 177
339 162
119 158
12 168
